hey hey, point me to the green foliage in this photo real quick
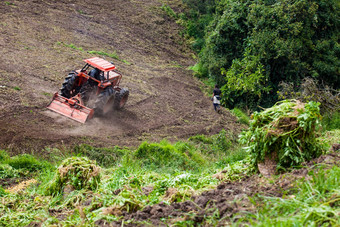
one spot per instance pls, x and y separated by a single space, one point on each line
268 42
245 77
241 116
17 88
288 129
216 144
196 18
315 203
169 11
164 155
331 121
28 162
106 157
6 171
3 156
2 192
233 157
78 172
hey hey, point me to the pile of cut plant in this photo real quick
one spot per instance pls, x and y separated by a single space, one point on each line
284 135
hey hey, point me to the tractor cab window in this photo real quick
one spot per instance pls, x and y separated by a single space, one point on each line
97 74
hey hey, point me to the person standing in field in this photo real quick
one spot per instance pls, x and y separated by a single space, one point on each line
216 98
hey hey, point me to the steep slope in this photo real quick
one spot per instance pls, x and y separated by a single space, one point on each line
41 41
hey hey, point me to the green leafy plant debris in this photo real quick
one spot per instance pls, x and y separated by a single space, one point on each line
78 172
287 132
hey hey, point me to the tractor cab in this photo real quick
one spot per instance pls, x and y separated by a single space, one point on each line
101 70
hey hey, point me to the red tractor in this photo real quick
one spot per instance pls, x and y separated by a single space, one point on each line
92 90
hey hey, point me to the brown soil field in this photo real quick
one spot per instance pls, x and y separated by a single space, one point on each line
42 41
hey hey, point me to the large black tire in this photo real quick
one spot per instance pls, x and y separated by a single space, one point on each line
104 101
87 91
69 88
121 98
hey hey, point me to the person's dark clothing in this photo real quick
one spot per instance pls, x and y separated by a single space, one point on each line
217 91
216 99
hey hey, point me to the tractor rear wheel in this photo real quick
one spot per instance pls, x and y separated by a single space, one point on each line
69 87
104 101
121 98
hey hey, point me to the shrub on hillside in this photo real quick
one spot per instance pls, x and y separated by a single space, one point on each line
28 162
163 154
285 133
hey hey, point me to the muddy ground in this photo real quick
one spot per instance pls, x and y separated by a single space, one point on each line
41 41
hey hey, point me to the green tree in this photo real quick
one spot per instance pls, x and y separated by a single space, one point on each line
290 40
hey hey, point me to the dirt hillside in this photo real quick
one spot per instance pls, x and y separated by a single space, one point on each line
41 41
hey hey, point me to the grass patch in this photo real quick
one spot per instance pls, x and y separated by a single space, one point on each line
331 121
330 137
106 157
313 202
242 117
73 46
9 3
7 171
17 88
27 162
113 55
78 173
169 11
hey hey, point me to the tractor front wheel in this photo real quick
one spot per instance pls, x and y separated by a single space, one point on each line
69 87
121 98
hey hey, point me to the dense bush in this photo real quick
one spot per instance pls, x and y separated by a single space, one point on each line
251 46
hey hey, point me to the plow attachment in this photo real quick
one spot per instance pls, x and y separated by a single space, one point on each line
70 108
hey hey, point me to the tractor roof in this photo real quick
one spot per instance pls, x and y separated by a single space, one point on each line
100 64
